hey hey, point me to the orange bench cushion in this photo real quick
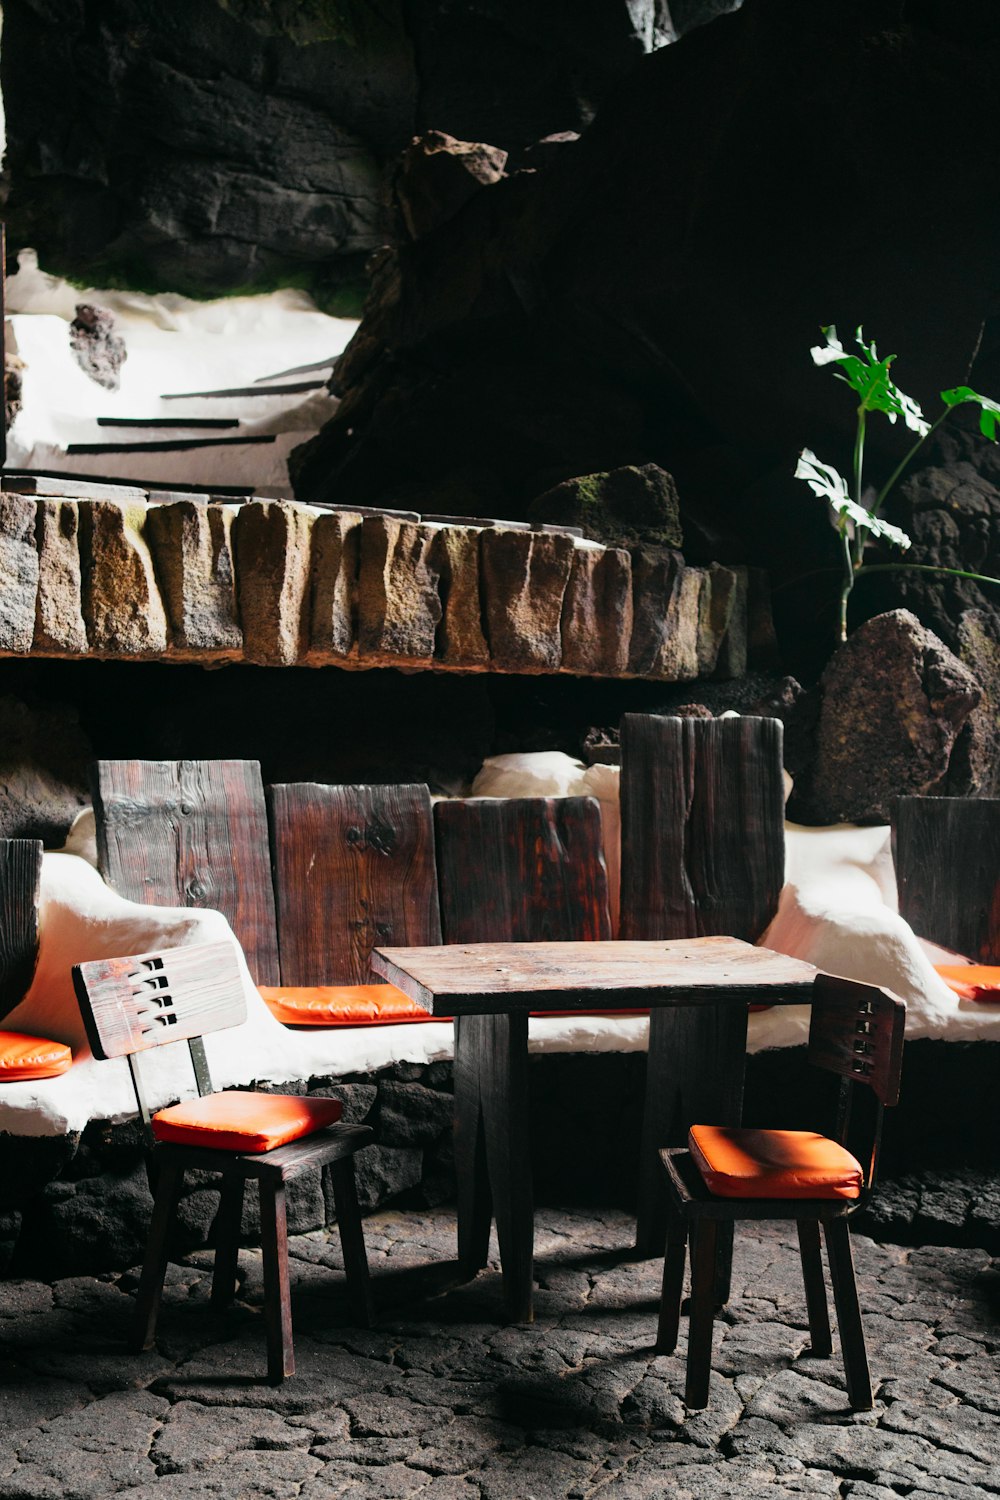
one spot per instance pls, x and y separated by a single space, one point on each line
972 981
773 1163
342 1005
24 1057
243 1121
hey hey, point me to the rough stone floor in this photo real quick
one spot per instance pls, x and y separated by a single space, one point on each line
443 1402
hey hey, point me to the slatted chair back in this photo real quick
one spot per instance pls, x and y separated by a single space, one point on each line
191 833
353 868
856 1032
947 856
702 804
20 893
132 1004
522 869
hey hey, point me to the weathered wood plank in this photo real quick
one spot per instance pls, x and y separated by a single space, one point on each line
151 999
522 869
947 856
353 866
191 833
702 826
488 977
20 887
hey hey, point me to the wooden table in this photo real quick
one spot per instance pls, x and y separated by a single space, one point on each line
490 988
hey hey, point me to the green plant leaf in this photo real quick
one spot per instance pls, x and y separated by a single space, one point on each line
989 411
831 486
868 376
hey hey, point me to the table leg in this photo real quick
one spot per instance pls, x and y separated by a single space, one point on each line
491 1086
694 1075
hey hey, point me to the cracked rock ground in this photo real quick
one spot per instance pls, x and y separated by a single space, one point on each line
443 1401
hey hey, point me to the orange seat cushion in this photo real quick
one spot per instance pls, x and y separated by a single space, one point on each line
243 1121
342 1005
773 1163
972 981
24 1057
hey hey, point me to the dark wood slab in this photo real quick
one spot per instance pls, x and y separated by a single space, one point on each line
484 978
703 845
947 856
191 833
353 867
20 888
522 869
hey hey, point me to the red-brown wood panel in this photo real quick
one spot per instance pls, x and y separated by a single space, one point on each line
353 868
191 833
522 869
703 846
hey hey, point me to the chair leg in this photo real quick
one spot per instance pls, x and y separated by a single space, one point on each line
352 1240
703 1282
845 1296
723 1261
277 1293
154 1265
820 1342
673 1287
228 1243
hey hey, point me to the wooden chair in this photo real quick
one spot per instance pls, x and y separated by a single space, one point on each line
724 1175
191 833
132 1004
947 856
703 854
518 869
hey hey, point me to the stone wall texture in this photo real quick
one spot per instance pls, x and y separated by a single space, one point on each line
282 584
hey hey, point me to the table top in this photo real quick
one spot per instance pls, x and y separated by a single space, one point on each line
484 978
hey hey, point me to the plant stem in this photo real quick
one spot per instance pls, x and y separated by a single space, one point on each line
847 583
926 568
859 464
884 491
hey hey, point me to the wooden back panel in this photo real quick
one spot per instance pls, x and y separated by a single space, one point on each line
20 891
703 844
522 869
947 856
856 1031
353 868
131 1004
191 833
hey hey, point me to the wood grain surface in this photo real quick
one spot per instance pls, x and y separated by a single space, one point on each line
703 846
20 887
492 977
353 867
522 869
191 833
947 856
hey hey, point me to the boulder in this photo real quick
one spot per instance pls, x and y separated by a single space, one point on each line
399 608
455 560
597 612
59 622
624 507
975 763
894 700
336 559
97 349
45 759
192 549
436 175
121 600
722 632
667 615
524 577
18 572
272 542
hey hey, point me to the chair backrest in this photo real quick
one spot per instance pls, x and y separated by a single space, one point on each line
522 869
703 846
191 833
20 892
856 1033
353 869
947 856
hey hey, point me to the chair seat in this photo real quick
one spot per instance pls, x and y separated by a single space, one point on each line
238 1120
342 1005
740 1163
972 981
26 1057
